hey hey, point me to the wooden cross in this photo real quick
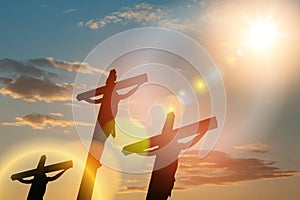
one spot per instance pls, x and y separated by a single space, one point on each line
40 180
105 124
167 148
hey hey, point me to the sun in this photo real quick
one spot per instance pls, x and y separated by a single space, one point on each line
262 34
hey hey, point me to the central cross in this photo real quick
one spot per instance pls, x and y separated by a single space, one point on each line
109 99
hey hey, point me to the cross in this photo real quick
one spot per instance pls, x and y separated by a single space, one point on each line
166 161
105 124
40 180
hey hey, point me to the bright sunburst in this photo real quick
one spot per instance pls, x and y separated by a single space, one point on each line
263 34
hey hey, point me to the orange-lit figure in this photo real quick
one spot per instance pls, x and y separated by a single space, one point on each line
105 125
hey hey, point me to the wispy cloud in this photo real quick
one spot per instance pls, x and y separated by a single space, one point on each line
42 121
80 67
143 14
39 67
218 168
70 10
32 89
131 189
255 148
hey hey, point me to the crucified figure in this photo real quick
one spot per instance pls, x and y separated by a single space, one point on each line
108 98
167 148
40 179
39 184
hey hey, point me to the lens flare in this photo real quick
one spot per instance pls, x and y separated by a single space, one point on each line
263 34
200 85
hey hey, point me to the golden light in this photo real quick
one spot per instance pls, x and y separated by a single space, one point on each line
263 34
200 85
106 185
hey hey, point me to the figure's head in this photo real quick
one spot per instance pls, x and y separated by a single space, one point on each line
112 77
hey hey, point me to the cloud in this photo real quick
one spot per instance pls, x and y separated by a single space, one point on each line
143 13
176 24
11 67
255 148
80 24
40 67
218 168
5 81
70 10
32 89
131 189
80 67
42 121
35 79
57 114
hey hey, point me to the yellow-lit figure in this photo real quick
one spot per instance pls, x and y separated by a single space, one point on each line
109 99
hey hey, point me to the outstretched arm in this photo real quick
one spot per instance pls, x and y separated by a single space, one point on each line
96 101
29 181
128 94
190 143
53 178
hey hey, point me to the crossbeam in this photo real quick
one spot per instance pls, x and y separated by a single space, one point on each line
136 80
198 128
43 169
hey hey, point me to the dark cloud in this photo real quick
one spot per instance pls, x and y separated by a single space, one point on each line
14 68
32 89
218 168
41 67
5 81
35 79
42 121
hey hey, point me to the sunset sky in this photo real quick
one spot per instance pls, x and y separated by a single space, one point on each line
45 45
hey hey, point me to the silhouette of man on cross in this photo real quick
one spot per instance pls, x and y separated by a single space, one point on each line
39 184
167 148
109 104
40 179
109 99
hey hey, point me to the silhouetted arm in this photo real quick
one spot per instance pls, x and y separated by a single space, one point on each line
190 143
53 178
25 181
96 101
128 94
